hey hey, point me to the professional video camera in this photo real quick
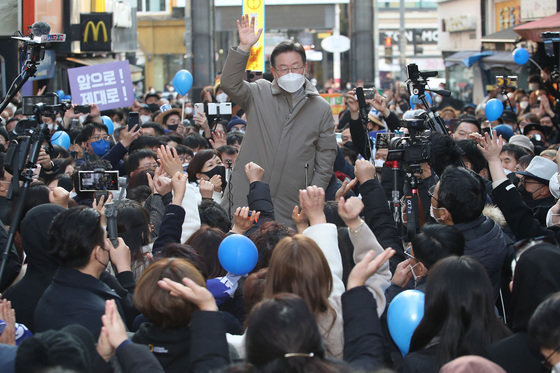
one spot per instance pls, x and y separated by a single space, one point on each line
408 152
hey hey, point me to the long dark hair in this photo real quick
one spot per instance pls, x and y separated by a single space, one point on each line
281 325
459 309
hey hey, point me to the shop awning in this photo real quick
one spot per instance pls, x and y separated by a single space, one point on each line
500 59
533 30
503 36
136 72
467 58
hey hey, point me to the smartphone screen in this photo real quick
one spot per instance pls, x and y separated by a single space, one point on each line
132 119
92 181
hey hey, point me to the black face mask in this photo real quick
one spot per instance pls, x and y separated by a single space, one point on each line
172 127
218 170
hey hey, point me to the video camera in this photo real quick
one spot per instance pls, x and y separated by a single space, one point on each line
413 149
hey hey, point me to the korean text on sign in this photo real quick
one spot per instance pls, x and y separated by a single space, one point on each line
108 85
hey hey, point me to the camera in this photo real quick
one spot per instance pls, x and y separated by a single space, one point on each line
46 104
413 149
98 180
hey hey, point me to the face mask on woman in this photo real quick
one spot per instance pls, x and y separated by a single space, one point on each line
218 170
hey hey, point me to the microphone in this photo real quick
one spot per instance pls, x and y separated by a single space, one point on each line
40 28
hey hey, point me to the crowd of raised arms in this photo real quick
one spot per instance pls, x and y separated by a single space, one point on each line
257 242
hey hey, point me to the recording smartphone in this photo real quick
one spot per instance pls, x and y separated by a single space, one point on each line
98 180
132 120
223 108
199 108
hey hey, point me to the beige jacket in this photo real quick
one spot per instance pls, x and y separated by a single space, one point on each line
363 239
291 136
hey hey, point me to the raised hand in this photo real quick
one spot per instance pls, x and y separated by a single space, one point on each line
367 267
402 274
364 170
218 139
179 185
190 291
254 172
491 148
169 160
8 314
312 200
298 216
246 31
345 188
350 210
113 331
242 221
216 180
206 189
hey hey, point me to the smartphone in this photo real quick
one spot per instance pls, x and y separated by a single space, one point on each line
225 108
94 181
132 120
199 108
82 109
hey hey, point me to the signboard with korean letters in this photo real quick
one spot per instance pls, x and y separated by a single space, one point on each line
108 85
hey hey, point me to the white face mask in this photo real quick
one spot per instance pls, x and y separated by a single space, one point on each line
221 97
379 163
556 368
291 82
523 105
145 118
432 208
188 110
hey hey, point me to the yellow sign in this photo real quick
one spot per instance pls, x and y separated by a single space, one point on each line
508 14
255 8
95 31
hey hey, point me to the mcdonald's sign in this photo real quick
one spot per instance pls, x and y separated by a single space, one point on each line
95 32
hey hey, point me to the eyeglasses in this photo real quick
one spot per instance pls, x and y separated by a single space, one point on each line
100 137
293 69
432 191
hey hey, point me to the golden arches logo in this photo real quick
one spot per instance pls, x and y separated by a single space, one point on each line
95 31
254 4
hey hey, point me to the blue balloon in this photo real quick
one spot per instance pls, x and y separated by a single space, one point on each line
238 254
61 138
403 316
60 93
182 82
67 97
109 123
493 109
414 100
521 56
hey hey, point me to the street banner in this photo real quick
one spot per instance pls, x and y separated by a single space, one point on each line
255 8
108 85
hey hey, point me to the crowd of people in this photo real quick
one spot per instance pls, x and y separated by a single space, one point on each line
333 235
